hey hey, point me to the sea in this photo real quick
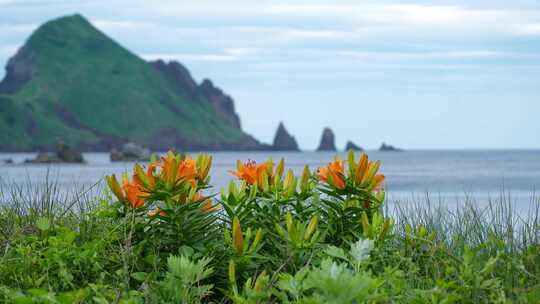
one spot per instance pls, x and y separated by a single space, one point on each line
413 176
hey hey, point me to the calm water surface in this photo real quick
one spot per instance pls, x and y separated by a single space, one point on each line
448 176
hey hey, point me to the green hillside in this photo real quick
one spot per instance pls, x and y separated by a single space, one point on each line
71 82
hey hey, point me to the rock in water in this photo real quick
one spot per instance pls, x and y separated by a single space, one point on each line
283 141
327 141
63 154
385 147
68 155
352 146
130 152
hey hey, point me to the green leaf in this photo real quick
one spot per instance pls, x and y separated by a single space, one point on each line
139 276
336 252
43 224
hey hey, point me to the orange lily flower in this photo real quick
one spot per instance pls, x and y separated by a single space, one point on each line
150 174
166 165
335 171
185 170
250 172
135 193
379 179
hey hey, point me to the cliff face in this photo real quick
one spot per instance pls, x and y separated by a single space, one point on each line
222 103
327 141
72 82
19 71
178 75
283 141
206 92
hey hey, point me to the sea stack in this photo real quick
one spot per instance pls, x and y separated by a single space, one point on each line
283 141
385 147
352 146
327 141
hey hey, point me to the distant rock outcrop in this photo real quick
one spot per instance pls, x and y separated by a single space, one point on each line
385 147
352 146
283 141
63 154
130 152
327 141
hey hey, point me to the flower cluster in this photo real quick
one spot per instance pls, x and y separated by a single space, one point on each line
361 174
172 178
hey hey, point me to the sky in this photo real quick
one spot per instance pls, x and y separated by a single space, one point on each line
461 74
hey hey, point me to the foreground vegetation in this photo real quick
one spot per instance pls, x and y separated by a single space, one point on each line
161 236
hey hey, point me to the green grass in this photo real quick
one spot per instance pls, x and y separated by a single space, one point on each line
67 248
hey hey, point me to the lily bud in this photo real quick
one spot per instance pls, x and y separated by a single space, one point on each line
260 282
232 272
311 227
269 167
247 236
256 241
115 187
173 170
232 189
386 227
280 167
263 180
361 168
139 172
350 160
238 164
365 224
204 164
289 185
372 170
238 238
289 222
304 185
279 230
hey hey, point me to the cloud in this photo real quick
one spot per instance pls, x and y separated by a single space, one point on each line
22 28
122 25
406 56
8 50
528 29
191 57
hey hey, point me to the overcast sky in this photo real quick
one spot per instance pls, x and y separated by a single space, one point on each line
416 74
